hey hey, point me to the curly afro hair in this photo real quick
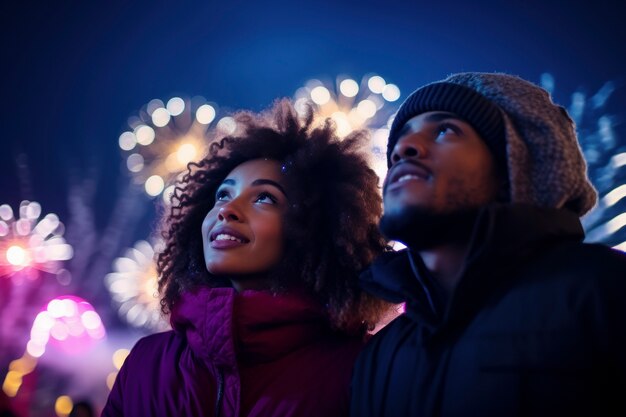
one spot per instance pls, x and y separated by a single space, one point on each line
331 230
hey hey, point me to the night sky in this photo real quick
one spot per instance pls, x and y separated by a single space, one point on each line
73 72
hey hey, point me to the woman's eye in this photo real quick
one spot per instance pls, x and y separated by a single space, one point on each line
221 195
266 198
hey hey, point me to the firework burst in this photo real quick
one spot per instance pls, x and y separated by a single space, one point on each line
164 138
606 160
29 244
133 287
365 104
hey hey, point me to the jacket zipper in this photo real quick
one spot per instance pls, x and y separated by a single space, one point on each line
220 392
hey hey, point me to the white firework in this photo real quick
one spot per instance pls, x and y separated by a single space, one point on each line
133 287
164 138
606 160
367 104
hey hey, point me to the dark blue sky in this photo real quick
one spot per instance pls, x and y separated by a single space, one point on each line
74 71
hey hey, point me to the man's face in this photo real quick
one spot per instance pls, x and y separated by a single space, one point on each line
439 165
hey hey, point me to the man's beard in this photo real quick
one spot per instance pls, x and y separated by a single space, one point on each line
422 228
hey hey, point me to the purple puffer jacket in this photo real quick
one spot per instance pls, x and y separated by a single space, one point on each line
247 354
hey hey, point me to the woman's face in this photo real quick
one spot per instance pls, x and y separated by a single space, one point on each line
242 234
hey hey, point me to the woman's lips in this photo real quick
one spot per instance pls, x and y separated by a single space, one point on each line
226 243
226 237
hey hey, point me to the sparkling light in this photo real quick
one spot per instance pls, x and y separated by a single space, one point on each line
127 141
6 212
164 138
353 105
91 320
186 153
31 211
111 380
145 135
366 108
176 106
205 114
391 92
134 162
342 123
349 88
35 349
227 125
615 195
23 227
17 370
119 356
63 406
376 84
17 256
160 118
12 383
153 105
154 185
172 164
618 160
71 323
29 244
616 223
133 287
320 95
606 164
56 309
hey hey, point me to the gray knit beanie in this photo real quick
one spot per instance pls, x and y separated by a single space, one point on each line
522 127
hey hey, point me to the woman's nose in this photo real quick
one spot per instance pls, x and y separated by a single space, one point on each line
228 212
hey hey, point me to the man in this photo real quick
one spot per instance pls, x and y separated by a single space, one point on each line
508 313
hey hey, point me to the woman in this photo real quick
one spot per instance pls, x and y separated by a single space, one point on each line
264 244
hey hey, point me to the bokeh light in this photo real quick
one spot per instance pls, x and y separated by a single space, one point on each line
369 104
205 114
63 406
68 323
17 370
133 287
118 358
29 243
606 163
163 138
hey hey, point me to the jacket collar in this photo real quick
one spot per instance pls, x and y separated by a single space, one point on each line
503 237
225 327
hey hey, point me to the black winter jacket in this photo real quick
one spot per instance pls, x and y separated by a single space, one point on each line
535 327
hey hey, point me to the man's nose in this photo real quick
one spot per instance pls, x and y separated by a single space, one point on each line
410 146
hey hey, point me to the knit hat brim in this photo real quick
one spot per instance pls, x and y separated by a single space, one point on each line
470 106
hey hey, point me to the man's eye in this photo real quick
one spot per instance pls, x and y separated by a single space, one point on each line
446 128
266 198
